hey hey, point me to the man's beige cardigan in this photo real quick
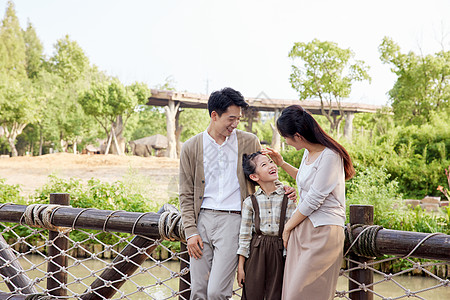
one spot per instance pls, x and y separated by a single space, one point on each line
192 176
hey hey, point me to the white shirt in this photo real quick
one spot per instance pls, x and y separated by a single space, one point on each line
222 190
321 188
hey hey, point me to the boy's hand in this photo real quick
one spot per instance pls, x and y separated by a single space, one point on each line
241 277
195 246
290 191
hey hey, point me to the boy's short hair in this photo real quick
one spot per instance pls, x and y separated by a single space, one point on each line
248 164
219 101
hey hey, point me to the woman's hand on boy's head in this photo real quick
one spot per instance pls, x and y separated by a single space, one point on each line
290 191
274 155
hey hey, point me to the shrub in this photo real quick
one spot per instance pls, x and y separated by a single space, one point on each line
372 186
95 194
10 193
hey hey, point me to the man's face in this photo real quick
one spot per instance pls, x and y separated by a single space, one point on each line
228 121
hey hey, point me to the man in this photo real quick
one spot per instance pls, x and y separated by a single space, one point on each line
212 188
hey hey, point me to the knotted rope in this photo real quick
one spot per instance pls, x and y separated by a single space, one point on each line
168 221
41 215
365 243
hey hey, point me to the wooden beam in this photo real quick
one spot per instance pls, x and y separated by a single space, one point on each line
56 251
10 268
121 221
360 214
124 265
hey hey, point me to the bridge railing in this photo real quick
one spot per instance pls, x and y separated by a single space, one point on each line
63 252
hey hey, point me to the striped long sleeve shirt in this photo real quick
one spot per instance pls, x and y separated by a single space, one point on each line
270 211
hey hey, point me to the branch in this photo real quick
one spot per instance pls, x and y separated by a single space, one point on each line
101 124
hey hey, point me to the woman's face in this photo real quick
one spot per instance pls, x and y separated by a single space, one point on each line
296 141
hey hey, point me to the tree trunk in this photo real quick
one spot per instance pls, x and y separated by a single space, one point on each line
178 130
118 129
13 147
171 111
75 146
276 139
12 134
41 139
348 127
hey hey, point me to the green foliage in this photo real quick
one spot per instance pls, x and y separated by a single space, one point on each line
13 59
108 101
34 52
372 186
422 85
325 72
69 61
415 156
94 194
147 121
294 158
10 193
193 121
417 220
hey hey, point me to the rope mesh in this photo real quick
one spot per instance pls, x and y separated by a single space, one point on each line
90 253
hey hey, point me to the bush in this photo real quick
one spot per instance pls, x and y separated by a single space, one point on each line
10 193
95 194
371 186
294 158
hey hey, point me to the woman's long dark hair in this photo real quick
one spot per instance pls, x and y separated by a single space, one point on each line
294 119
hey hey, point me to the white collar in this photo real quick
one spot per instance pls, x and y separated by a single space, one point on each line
211 139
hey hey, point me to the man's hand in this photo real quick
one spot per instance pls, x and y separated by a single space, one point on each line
195 246
241 277
290 191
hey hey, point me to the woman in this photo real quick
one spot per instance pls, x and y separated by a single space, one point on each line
314 236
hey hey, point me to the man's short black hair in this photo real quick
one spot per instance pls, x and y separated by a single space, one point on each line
219 101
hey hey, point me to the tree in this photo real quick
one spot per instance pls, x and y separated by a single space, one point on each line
422 85
18 104
111 104
13 45
34 52
18 98
71 65
323 71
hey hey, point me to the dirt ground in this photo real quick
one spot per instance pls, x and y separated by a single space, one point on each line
156 177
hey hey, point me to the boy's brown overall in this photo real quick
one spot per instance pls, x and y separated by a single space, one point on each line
265 265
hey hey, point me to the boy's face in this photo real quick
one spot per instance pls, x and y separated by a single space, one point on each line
228 121
266 170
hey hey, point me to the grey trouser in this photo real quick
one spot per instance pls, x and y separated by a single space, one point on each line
213 274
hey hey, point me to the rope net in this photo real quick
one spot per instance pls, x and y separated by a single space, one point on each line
92 253
89 255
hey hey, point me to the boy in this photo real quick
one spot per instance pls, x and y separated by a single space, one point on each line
261 260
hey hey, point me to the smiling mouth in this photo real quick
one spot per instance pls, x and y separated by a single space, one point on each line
273 172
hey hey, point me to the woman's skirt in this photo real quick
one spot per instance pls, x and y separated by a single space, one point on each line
314 258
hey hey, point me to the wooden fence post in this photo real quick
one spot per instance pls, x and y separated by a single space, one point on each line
58 260
360 214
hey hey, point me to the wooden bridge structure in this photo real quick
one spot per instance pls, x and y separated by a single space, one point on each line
174 101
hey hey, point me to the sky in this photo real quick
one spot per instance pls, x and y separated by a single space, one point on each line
207 45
